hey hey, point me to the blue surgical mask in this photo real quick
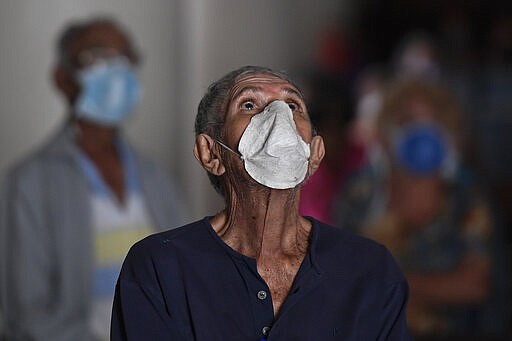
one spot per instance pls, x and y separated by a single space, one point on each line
423 149
109 92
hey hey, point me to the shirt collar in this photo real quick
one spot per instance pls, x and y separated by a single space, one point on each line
310 259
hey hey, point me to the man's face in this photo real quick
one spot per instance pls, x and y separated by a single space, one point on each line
97 42
251 94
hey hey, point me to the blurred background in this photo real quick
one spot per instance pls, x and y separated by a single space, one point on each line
187 44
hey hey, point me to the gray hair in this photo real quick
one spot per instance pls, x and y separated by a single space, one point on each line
212 107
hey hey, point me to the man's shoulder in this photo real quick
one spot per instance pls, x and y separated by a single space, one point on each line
146 164
341 240
342 252
52 152
186 236
31 171
169 251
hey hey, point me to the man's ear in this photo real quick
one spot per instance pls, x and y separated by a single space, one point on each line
317 154
63 80
207 155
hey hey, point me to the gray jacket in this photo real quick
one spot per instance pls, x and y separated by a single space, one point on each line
45 240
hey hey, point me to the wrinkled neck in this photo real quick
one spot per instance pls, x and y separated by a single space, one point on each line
264 223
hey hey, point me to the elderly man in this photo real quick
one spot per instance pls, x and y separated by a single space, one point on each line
258 270
70 211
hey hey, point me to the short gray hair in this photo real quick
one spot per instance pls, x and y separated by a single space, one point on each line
212 107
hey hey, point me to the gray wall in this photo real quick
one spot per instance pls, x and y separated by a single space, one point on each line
186 44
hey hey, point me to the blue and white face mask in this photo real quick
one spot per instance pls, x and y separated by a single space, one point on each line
109 92
424 149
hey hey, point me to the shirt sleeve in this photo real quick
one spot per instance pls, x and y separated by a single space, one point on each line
394 313
139 311
31 306
386 302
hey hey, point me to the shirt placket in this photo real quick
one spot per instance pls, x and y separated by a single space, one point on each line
260 298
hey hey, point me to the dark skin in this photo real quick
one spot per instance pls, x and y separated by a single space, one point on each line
261 222
95 140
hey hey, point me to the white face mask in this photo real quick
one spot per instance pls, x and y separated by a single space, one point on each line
273 152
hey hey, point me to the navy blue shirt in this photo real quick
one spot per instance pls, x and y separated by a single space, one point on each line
187 284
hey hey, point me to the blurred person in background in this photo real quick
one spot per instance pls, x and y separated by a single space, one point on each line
422 203
493 151
70 211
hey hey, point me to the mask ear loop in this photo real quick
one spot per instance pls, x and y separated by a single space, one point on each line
231 150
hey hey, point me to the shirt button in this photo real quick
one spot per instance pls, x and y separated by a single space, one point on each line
265 331
262 294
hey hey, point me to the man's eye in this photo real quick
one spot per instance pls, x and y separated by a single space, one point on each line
248 105
293 106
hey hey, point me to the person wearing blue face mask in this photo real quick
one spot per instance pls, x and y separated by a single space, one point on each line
70 211
419 199
110 90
